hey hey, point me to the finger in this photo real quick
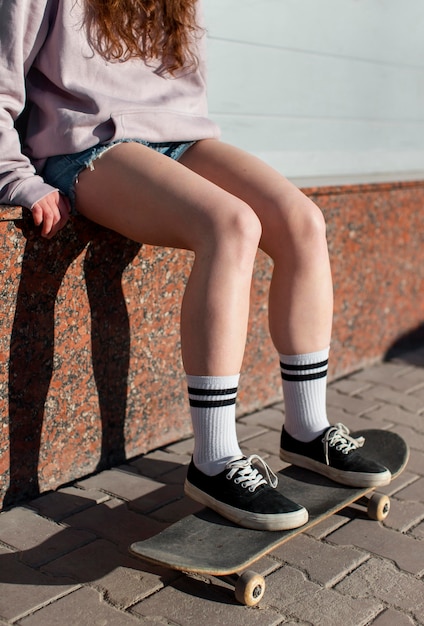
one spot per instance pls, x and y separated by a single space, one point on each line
60 215
48 220
52 212
37 214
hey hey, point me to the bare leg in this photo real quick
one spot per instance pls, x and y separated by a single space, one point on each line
222 203
215 206
152 199
293 234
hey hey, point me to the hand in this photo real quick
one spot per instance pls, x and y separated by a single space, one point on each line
52 212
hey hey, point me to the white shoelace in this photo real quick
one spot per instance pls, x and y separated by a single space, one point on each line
248 476
338 436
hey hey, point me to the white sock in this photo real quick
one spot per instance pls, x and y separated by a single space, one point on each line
305 386
213 413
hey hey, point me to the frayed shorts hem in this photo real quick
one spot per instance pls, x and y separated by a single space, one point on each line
62 171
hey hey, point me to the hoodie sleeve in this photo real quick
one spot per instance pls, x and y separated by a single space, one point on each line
23 28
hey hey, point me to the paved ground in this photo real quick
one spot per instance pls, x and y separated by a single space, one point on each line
64 559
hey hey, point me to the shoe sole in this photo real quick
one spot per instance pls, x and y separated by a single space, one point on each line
351 479
255 521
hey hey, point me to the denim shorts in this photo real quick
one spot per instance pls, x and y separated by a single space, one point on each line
62 171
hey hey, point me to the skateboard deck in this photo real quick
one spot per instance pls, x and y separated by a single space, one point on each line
206 543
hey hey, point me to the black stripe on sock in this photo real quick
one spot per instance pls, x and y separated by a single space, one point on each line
307 366
211 404
212 392
302 377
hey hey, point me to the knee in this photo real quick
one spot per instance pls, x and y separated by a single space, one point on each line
244 226
308 236
236 231
300 232
312 226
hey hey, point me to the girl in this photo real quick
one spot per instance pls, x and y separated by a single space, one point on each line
118 131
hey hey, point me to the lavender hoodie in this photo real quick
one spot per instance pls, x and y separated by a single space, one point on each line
77 99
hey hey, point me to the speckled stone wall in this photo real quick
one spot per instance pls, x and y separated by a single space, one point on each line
89 342
376 237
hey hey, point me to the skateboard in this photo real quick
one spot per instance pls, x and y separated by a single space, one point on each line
207 544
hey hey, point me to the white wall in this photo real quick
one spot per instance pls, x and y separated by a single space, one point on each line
321 89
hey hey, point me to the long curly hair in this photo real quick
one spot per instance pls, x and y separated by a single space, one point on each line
162 30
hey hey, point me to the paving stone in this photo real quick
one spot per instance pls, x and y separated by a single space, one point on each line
382 580
407 402
113 521
323 563
392 618
23 589
175 477
176 511
413 438
328 525
404 514
266 565
376 539
350 386
145 494
84 606
129 469
247 431
124 579
268 442
400 482
67 501
271 418
384 373
408 381
414 492
355 422
183 447
279 406
396 415
418 531
416 462
190 602
124 587
349 404
154 500
38 539
289 591
418 392
274 461
159 462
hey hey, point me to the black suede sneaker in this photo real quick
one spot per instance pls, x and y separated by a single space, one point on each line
335 455
241 494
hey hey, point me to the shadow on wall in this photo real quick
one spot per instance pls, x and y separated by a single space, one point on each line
407 347
44 265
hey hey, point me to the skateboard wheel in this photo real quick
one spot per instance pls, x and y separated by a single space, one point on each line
249 588
378 507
